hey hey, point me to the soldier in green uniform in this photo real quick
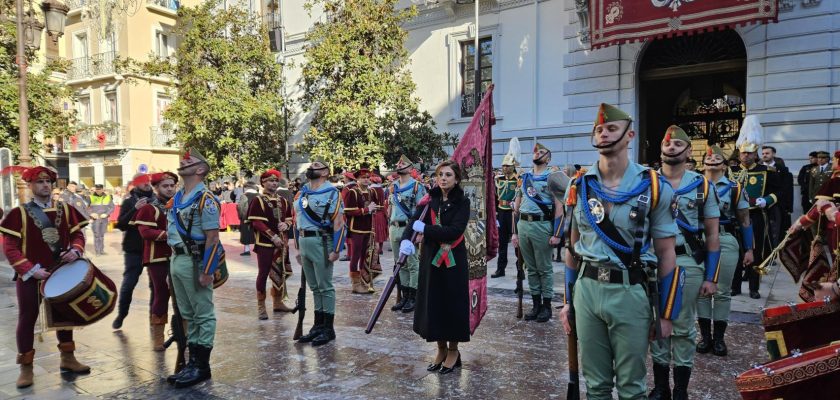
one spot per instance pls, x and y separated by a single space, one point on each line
537 231
698 254
319 221
403 196
622 234
761 187
505 195
193 235
818 175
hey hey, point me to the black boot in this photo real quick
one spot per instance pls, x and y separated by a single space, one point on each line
532 315
118 321
190 364
200 371
706 342
720 346
411 302
545 311
328 333
400 304
316 328
681 377
661 383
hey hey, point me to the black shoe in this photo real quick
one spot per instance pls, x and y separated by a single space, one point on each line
706 343
719 348
327 334
316 328
399 305
245 254
118 322
545 311
661 381
735 292
532 315
434 367
411 302
681 377
499 273
171 379
445 370
200 371
754 294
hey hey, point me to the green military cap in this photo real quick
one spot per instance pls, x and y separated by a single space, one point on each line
538 147
715 149
318 160
675 132
192 152
608 113
405 161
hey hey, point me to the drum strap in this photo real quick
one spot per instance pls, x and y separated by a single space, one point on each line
43 222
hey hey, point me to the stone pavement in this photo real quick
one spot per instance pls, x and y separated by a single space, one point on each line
506 359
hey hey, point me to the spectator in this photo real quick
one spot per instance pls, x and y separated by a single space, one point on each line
246 232
215 189
691 164
227 193
71 197
779 216
284 191
803 179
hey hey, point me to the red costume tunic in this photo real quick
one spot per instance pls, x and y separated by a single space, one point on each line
151 223
265 214
356 208
380 219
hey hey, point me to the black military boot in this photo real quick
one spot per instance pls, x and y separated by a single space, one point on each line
500 272
200 372
661 383
400 304
328 333
190 364
706 342
411 294
316 328
545 311
681 377
719 348
532 315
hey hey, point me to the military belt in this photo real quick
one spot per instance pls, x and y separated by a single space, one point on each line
399 224
180 250
533 217
681 250
310 233
607 274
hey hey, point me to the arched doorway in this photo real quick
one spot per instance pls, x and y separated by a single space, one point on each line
697 82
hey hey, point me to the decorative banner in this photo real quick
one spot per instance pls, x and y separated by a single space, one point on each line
620 21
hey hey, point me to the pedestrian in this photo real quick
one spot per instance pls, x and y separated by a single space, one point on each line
443 302
614 199
150 221
506 186
779 216
270 216
360 203
132 244
246 231
101 206
803 179
713 310
691 165
33 252
319 219
537 232
75 200
698 255
193 234
403 197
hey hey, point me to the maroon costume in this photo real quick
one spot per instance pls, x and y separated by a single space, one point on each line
360 224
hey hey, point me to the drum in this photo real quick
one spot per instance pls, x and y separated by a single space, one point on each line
800 326
78 294
812 375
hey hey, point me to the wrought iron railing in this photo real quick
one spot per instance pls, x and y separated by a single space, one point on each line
89 138
162 137
95 65
272 20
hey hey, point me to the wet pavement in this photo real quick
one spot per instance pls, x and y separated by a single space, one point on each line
506 358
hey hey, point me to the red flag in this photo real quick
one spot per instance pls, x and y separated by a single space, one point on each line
475 155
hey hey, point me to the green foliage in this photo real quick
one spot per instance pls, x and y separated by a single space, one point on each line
358 90
227 102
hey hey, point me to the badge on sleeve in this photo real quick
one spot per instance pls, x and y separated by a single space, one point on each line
210 206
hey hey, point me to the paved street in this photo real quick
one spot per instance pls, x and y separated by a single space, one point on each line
506 359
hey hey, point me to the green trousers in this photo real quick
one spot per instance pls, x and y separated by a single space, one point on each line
194 301
613 323
681 347
319 272
410 271
534 247
719 310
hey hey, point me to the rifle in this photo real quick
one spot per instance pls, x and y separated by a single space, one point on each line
520 276
573 391
389 287
300 304
179 336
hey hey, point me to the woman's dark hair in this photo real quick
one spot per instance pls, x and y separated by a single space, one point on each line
456 168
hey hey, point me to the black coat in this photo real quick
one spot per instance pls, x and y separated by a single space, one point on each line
246 231
442 311
132 241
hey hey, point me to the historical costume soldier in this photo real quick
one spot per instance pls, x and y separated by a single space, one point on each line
622 234
537 231
360 203
818 175
734 214
349 182
101 206
506 186
38 236
193 234
74 199
761 187
803 179
319 224
271 217
150 221
698 254
403 196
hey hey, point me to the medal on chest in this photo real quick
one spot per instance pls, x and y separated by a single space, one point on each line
305 202
753 180
532 192
691 204
597 209
50 235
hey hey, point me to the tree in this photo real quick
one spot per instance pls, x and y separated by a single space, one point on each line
227 102
358 90
43 93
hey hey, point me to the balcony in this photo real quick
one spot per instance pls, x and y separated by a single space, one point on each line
92 66
162 137
75 4
166 7
272 20
274 25
87 138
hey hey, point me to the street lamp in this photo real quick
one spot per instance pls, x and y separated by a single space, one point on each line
55 14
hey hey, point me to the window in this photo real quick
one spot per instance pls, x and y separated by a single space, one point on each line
162 44
468 76
110 112
83 109
163 103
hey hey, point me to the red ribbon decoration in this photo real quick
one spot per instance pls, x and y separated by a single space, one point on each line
74 141
101 139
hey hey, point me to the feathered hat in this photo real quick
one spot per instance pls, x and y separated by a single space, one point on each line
751 136
513 153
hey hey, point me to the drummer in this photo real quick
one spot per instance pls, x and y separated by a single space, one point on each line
39 236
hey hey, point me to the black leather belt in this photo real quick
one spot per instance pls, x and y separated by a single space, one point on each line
681 250
181 251
612 275
400 224
310 233
533 217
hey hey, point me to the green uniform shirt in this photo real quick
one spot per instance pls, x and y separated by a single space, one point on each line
326 196
687 203
408 194
726 190
659 222
506 192
528 206
204 208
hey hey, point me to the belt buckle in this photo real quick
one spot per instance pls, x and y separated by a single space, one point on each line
603 275
530 218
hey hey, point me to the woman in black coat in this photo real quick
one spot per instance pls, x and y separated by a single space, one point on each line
442 312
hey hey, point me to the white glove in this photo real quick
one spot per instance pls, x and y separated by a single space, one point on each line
103 215
761 202
407 248
418 226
